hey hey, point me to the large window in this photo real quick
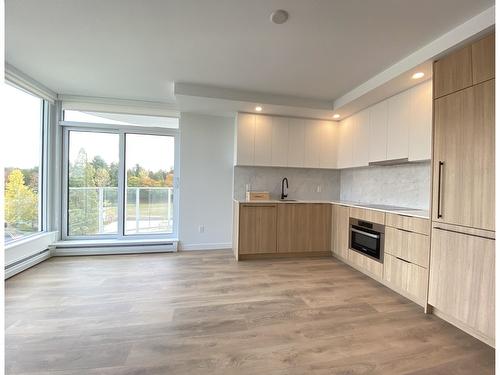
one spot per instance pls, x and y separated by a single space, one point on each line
120 178
22 154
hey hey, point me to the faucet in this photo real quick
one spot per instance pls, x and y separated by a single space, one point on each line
284 191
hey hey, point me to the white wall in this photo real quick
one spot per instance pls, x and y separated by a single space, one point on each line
206 181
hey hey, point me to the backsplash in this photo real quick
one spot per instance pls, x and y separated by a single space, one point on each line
406 185
303 182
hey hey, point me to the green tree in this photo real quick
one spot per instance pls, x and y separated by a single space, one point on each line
21 203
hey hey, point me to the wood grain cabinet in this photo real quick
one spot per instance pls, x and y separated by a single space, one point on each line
464 153
304 227
340 231
257 229
453 72
462 279
483 59
406 277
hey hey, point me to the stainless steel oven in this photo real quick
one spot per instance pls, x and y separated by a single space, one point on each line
367 238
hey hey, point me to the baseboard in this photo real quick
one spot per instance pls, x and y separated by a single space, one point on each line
464 327
205 246
115 250
28 263
308 254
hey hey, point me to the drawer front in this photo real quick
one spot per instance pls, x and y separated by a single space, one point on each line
367 215
405 277
367 265
413 247
413 224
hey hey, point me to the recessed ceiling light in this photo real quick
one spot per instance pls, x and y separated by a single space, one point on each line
279 16
336 115
417 75
258 108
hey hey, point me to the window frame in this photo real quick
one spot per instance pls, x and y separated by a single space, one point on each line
121 130
43 164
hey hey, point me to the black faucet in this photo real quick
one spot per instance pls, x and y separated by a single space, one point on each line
283 195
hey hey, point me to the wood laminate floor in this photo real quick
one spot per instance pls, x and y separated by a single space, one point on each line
204 313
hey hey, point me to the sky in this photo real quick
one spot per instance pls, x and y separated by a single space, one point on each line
21 144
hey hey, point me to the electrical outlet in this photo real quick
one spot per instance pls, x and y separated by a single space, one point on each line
318 189
201 229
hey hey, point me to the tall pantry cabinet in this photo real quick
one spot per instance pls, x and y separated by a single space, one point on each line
462 272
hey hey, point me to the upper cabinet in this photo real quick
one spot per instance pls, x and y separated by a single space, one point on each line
398 125
285 142
483 59
420 125
360 133
377 150
344 154
453 72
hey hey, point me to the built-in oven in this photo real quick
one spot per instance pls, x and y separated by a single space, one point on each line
367 238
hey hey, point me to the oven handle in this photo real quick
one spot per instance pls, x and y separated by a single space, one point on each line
377 236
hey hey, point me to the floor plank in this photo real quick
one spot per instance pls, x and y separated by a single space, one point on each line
205 313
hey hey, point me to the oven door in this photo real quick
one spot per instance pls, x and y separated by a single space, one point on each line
366 241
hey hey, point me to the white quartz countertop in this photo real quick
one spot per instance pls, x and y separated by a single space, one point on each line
407 211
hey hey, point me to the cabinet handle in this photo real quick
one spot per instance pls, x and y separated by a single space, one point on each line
465 233
440 175
404 260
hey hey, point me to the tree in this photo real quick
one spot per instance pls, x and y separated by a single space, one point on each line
21 203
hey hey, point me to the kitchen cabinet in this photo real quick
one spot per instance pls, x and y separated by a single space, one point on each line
344 157
279 143
328 145
464 153
483 59
420 124
360 133
405 277
378 132
245 139
340 231
263 140
408 246
296 142
408 223
398 123
453 72
462 280
364 214
304 227
257 229
366 265
312 146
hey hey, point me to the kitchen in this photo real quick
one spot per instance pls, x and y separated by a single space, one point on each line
422 253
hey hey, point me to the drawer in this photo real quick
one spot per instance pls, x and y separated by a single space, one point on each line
410 246
367 215
406 278
366 265
413 224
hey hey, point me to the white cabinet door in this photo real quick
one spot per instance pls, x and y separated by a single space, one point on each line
328 153
263 140
344 156
279 148
378 132
398 124
312 143
296 142
360 138
421 122
245 139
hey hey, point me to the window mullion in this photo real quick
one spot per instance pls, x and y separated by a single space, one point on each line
121 187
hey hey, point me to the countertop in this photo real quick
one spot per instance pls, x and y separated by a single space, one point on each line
407 211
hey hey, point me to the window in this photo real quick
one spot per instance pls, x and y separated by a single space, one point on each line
93 183
23 163
119 178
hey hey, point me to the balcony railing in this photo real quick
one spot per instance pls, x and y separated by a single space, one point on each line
94 210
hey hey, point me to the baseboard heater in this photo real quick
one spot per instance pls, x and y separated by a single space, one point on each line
25 263
63 249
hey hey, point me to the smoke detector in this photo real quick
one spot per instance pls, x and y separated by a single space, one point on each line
279 16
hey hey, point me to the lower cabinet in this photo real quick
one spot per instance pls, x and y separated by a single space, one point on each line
304 227
462 279
406 277
257 229
366 265
340 231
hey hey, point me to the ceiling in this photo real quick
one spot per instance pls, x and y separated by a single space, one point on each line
136 50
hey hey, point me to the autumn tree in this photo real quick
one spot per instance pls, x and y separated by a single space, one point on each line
21 203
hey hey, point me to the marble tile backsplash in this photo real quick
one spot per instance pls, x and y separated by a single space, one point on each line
302 182
406 185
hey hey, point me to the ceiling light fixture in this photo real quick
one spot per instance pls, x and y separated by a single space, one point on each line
258 108
336 116
279 16
417 75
